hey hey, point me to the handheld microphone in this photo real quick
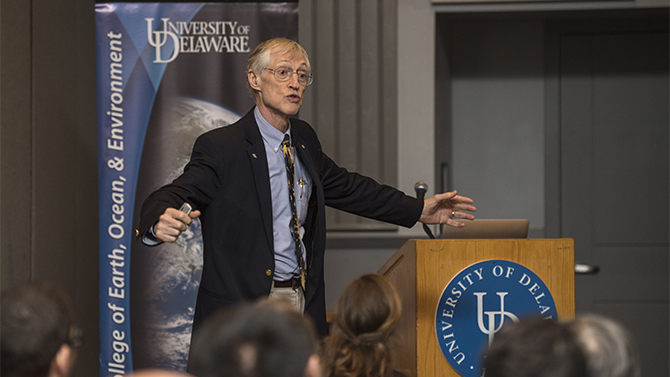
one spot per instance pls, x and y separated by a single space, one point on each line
186 208
421 188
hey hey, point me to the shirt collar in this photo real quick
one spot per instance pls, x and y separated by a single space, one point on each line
271 135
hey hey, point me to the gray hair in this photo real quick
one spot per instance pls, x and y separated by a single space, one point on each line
609 349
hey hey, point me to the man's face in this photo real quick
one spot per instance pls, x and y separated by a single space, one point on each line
277 100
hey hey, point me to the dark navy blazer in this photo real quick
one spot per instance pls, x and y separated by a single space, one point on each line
227 179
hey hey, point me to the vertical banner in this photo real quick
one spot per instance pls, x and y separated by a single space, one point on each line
166 73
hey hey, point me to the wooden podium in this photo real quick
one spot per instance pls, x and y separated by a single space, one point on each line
421 270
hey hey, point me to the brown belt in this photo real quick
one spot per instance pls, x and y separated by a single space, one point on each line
290 283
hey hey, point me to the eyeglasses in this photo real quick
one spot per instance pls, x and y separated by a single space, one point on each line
285 73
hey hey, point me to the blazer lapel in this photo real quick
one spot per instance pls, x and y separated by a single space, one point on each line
307 161
259 165
305 157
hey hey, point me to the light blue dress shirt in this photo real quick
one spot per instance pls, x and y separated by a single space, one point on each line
286 264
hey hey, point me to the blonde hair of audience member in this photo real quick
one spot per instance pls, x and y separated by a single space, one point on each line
609 349
367 314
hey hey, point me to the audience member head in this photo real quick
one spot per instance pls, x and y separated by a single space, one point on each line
152 372
38 334
608 347
266 340
367 314
535 347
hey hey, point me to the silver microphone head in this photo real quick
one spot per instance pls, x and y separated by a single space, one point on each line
421 186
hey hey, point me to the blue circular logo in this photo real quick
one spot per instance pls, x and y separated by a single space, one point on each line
478 301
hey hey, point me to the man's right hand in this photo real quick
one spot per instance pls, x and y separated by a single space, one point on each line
172 223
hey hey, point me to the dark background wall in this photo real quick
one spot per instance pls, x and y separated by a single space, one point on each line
48 161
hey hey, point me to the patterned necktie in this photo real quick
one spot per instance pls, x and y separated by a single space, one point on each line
295 225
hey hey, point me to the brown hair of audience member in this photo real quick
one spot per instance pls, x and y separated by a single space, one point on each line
367 314
535 347
609 348
38 334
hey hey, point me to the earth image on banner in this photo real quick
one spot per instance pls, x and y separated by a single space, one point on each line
166 277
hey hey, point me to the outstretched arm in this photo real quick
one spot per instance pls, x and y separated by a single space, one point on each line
443 208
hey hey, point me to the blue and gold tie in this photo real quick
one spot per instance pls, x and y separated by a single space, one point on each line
294 225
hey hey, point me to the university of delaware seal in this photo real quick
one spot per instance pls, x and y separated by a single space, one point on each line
478 301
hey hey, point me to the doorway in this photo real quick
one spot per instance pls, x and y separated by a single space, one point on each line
613 126
583 95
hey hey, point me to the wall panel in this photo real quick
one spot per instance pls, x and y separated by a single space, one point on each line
353 103
48 161
15 143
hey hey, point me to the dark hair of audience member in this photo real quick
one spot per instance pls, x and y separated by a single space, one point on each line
535 347
368 311
266 340
157 372
609 349
36 321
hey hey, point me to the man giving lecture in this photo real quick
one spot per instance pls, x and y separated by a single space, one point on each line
260 187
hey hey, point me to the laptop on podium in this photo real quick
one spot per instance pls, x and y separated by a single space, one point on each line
483 228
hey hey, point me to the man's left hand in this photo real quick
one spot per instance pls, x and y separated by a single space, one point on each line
443 208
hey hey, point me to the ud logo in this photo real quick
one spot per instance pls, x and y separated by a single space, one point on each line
159 39
490 327
476 304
